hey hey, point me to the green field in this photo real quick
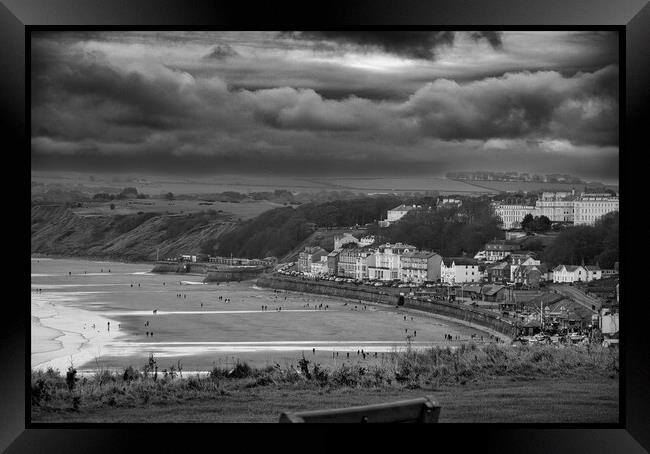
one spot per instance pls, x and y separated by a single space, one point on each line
499 401
243 210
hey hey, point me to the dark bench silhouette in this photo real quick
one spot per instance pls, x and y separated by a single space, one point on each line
421 410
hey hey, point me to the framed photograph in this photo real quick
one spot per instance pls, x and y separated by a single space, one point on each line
386 215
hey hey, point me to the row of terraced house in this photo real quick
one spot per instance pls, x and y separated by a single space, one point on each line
387 262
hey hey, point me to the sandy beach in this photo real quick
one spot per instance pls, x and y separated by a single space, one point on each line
63 334
207 325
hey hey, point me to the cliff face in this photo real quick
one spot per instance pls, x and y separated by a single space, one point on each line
59 231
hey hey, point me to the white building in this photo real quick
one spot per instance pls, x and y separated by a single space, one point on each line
309 256
499 250
448 202
588 208
557 206
512 215
367 240
569 273
593 273
397 213
420 266
385 263
459 270
353 263
320 267
517 259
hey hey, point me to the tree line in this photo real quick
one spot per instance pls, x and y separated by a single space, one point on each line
591 245
276 232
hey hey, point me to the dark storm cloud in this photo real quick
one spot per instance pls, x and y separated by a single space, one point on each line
221 51
582 108
412 44
492 37
142 104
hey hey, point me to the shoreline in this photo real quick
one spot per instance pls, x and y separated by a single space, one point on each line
41 255
57 322
59 318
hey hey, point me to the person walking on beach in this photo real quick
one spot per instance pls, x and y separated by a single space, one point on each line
109 325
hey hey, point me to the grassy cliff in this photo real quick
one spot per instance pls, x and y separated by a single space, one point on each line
57 230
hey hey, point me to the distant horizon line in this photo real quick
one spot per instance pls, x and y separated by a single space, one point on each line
203 175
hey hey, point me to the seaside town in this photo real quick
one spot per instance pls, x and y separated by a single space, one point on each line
246 226
532 301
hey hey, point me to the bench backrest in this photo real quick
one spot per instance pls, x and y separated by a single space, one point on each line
422 410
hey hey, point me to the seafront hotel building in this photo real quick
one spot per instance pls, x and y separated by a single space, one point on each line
590 207
559 207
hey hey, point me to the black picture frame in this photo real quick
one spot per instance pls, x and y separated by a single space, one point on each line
631 435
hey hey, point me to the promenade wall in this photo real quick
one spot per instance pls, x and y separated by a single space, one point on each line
390 296
212 272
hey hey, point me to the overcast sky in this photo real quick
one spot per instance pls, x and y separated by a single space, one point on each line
315 103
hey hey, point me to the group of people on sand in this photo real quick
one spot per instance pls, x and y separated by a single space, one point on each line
225 300
361 353
108 326
85 272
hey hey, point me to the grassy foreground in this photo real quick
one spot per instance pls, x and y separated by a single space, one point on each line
473 384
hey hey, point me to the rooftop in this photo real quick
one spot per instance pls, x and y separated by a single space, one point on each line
462 261
403 207
420 254
569 268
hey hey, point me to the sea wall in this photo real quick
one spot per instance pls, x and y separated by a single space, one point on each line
390 295
213 273
168 268
225 275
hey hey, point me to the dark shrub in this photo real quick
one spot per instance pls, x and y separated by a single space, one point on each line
71 378
241 370
130 374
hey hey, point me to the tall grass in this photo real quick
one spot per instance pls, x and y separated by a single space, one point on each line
406 369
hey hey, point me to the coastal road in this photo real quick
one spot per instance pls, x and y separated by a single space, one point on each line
578 296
